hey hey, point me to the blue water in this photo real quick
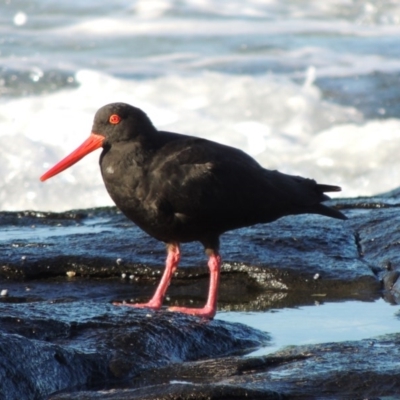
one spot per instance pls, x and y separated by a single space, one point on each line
305 87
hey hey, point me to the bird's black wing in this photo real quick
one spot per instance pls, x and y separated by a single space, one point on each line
209 184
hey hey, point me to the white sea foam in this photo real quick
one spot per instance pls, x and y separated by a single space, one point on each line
173 27
284 125
244 73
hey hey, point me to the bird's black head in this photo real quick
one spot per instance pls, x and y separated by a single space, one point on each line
116 122
119 122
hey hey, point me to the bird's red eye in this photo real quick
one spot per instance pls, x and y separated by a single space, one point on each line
114 119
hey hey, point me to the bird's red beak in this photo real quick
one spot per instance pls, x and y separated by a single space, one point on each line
93 142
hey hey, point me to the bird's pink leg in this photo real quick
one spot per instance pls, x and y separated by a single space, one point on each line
210 309
171 265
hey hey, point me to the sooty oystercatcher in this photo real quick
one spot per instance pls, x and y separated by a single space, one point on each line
180 188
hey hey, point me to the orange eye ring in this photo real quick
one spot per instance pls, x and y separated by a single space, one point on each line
114 119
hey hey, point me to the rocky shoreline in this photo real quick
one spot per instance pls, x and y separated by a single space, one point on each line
61 338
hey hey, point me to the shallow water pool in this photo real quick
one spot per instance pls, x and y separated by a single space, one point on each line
321 323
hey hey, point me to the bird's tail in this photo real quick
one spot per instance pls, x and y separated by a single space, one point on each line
325 210
328 188
328 211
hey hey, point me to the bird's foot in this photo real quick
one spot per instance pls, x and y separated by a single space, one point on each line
205 312
150 304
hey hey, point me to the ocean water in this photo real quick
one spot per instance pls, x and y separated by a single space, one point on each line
305 86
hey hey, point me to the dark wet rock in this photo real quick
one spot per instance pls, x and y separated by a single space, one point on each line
59 331
32 369
395 292
47 347
348 370
303 254
390 279
378 239
178 391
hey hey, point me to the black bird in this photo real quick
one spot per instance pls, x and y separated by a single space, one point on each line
180 188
